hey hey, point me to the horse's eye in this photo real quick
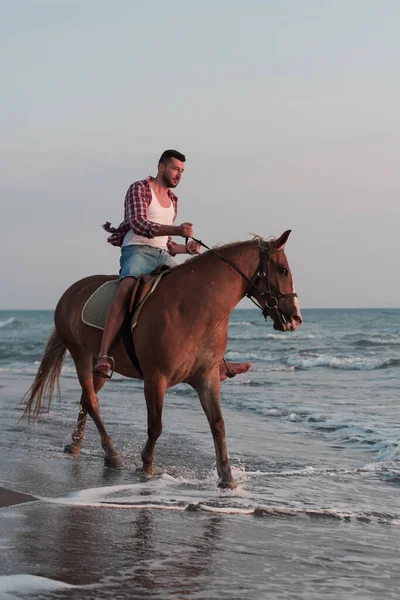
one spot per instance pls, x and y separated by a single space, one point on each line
283 271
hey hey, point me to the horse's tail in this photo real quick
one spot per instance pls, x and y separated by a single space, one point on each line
47 378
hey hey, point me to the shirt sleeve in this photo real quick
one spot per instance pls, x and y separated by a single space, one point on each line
136 211
171 245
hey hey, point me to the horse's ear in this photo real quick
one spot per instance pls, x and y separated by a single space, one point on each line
280 242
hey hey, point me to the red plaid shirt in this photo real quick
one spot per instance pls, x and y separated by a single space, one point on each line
137 199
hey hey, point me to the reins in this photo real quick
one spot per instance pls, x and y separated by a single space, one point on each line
229 262
273 295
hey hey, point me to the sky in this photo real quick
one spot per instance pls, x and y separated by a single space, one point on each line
287 112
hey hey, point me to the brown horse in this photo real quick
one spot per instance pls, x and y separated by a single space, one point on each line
181 336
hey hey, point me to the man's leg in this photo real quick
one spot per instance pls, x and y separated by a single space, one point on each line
114 321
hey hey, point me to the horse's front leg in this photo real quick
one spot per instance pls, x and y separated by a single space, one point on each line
209 393
154 393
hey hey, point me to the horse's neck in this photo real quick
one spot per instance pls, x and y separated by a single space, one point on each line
218 279
244 255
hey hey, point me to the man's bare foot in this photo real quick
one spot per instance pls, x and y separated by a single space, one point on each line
227 369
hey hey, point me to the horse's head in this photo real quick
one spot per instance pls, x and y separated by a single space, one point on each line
275 288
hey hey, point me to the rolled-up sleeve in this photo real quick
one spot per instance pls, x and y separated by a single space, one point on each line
136 204
171 246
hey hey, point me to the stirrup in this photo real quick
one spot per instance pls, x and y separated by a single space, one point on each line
229 371
112 363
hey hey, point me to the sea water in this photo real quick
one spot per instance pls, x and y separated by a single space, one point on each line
312 431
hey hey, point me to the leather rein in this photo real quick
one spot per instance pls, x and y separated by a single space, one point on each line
273 296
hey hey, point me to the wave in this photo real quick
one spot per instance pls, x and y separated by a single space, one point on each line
27 355
349 363
383 442
310 471
11 322
284 336
31 369
252 383
258 511
182 494
309 360
249 336
22 584
291 335
377 341
241 356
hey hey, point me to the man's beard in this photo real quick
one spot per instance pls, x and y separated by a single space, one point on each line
169 182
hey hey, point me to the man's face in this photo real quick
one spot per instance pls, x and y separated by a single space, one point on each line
172 172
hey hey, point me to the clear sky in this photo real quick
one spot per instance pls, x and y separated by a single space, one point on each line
287 111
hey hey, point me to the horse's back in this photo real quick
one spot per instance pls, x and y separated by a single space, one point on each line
68 311
81 290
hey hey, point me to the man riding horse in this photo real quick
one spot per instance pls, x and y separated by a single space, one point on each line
172 344
145 240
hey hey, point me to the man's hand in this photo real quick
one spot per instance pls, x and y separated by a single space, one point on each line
193 247
185 230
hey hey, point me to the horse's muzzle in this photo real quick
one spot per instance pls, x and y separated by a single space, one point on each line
294 322
287 322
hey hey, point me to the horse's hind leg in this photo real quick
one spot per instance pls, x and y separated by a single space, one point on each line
154 393
89 404
74 446
209 394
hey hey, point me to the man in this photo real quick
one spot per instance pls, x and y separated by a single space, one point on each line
145 240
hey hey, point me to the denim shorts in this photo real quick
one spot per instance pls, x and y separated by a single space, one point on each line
140 258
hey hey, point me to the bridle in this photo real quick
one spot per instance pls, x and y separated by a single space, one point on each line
273 296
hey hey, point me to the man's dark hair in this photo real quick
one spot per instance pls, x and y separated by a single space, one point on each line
168 154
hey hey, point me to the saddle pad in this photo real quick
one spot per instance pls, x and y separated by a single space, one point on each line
95 310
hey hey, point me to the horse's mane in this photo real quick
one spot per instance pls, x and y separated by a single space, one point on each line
255 237
218 248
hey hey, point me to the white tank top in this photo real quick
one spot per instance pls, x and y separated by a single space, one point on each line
157 214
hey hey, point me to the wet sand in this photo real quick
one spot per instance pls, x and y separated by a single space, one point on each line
10 497
152 554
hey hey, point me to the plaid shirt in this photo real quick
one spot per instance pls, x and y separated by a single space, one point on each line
137 199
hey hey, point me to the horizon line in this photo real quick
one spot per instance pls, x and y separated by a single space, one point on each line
244 308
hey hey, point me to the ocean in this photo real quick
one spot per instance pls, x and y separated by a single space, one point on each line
313 436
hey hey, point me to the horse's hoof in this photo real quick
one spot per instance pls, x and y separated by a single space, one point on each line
113 462
229 484
148 471
72 449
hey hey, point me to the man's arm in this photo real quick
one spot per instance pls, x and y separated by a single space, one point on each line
183 230
192 248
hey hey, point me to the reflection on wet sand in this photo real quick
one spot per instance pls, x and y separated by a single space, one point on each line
187 568
144 551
